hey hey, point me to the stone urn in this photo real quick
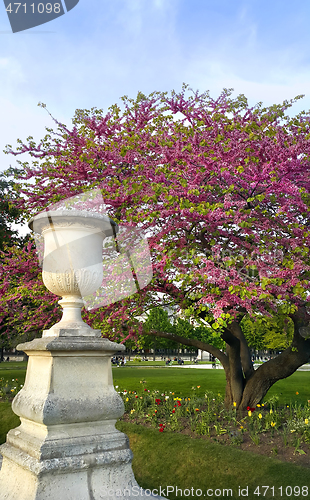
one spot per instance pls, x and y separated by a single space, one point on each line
67 446
72 261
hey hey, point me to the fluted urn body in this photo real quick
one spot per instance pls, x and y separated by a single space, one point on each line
72 261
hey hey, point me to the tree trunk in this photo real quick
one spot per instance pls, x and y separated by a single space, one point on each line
283 365
244 385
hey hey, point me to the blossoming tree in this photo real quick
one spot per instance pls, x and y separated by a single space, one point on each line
222 192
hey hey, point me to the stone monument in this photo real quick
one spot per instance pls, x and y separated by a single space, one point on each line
67 447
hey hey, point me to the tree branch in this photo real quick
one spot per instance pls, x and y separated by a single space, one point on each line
221 356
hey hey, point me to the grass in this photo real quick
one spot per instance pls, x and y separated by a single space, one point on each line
172 459
8 420
167 379
181 382
13 369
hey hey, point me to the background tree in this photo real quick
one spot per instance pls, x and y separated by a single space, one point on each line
158 320
10 243
275 333
24 310
221 189
9 213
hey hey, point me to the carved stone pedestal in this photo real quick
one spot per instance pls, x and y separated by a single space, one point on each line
67 447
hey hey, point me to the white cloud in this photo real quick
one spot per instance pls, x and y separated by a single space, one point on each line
215 76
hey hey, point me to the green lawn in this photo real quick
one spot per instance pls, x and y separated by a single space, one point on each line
177 380
172 459
181 380
8 420
13 370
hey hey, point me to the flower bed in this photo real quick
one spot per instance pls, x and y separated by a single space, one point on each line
268 428
9 389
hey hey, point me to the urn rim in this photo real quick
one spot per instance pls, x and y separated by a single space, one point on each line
45 219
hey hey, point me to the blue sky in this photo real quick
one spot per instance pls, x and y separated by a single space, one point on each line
101 50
